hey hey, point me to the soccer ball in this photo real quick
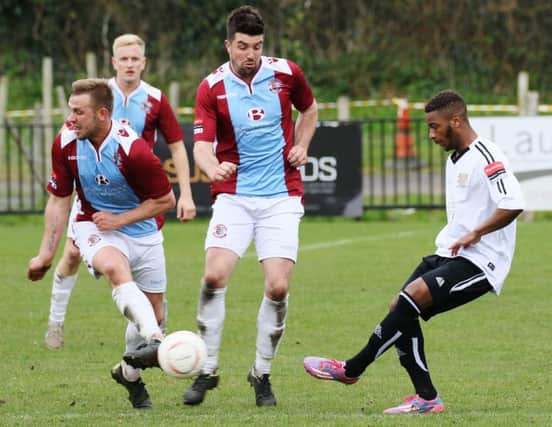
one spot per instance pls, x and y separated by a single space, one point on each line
182 354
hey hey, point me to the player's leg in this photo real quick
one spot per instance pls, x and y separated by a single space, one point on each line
276 241
109 256
452 283
401 320
229 234
65 277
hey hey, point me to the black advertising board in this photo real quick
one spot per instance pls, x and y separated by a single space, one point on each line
332 176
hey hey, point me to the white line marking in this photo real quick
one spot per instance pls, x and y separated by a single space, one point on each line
342 242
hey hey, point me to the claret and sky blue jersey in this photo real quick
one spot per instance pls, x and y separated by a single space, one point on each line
117 177
252 126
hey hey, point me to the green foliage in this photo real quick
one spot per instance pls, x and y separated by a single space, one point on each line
363 49
489 359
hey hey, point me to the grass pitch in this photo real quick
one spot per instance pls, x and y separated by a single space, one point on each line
490 359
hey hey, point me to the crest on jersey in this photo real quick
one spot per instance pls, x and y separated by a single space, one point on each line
122 132
146 106
275 86
101 180
220 231
462 180
255 114
118 160
93 239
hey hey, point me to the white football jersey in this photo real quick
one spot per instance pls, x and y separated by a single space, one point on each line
479 181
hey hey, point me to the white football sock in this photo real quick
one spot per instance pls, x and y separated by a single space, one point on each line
136 307
133 340
210 321
61 292
271 323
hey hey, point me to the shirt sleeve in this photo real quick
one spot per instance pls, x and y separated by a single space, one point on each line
301 97
205 121
168 124
61 177
145 173
503 185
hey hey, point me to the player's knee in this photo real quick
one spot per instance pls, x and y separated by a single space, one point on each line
277 290
393 302
213 280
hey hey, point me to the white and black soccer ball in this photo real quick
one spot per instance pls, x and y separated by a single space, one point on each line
182 354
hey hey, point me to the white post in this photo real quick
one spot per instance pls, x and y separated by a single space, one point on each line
174 92
532 103
343 109
523 88
62 101
47 82
91 67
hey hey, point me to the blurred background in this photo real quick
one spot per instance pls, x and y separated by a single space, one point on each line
360 48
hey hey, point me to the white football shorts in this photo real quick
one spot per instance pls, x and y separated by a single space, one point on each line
75 207
145 254
272 222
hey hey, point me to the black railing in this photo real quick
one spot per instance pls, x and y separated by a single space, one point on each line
391 179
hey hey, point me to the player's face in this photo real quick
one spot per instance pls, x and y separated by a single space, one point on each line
442 130
84 118
245 53
128 63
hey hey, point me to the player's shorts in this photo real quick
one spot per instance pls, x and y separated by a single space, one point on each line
73 217
272 222
145 254
452 282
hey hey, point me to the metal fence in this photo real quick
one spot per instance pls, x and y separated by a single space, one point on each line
401 168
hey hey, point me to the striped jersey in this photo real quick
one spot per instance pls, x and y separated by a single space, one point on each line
252 126
117 177
145 110
479 180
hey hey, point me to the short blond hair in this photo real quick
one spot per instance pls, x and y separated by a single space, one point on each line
129 40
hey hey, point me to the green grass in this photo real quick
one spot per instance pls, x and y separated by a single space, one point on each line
490 360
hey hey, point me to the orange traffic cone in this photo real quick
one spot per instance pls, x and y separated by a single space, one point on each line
404 147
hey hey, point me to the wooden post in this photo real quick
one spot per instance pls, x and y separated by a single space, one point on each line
174 93
91 67
343 109
523 88
3 113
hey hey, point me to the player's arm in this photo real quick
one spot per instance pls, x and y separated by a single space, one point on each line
505 191
209 164
185 207
304 130
499 219
56 214
149 208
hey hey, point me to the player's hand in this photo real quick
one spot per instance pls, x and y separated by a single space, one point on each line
465 242
297 156
185 209
106 221
37 268
223 171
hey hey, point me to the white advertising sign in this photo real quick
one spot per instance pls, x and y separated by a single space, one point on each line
527 142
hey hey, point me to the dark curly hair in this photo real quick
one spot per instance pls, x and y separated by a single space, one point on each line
244 19
448 102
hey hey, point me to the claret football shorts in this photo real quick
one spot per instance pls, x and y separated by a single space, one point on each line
273 223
